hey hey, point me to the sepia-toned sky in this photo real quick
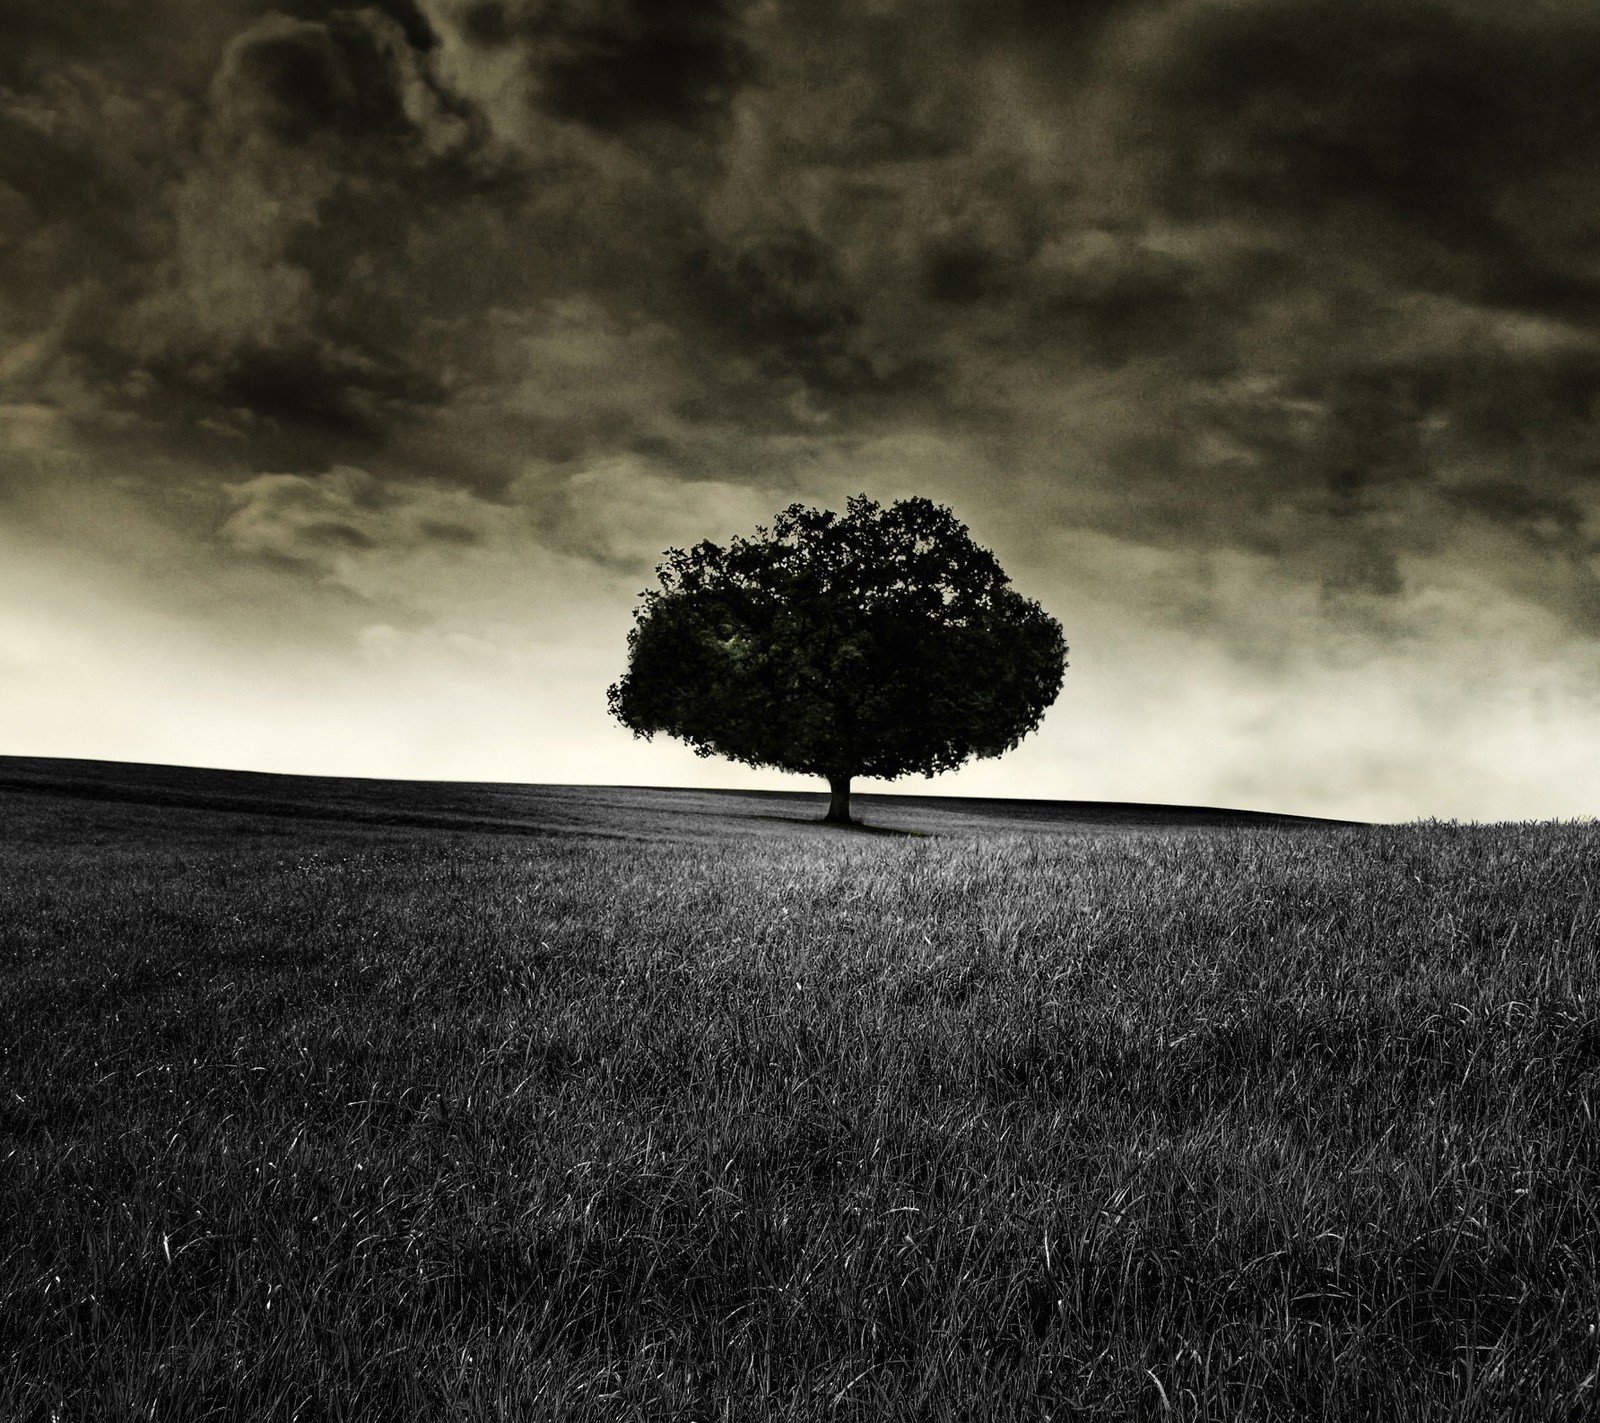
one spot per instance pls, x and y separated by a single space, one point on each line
358 360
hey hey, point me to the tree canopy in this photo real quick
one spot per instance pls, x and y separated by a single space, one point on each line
881 642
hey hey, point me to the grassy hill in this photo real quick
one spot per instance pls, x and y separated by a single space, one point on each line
626 812
352 1099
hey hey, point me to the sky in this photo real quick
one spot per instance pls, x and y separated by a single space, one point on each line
358 361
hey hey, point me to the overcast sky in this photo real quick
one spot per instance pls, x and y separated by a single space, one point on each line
357 362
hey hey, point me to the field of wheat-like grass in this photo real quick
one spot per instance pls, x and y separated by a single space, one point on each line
301 1120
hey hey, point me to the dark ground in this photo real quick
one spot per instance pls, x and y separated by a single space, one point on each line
622 812
368 1100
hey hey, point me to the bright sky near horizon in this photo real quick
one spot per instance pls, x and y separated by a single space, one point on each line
358 361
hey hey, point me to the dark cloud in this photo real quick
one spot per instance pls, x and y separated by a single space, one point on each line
44 38
1551 520
616 67
1109 298
489 23
355 80
782 294
315 79
1511 402
1313 281
225 247
1045 21
407 14
321 391
670 61
57 182
1452 125
859 87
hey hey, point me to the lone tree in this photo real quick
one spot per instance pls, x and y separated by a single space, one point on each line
882 643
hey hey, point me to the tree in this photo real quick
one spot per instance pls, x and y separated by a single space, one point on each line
882 642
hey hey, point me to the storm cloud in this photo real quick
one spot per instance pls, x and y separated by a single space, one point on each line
1264 333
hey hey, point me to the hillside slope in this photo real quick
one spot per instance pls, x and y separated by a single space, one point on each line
630 812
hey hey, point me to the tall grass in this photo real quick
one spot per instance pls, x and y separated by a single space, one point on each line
1251 1124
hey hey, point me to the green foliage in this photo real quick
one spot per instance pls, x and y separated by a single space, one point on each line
882 642
300 1121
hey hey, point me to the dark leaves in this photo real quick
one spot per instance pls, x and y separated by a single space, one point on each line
880 643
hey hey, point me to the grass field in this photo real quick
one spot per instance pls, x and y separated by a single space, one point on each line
324 1099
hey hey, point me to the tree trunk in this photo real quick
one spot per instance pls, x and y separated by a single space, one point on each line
839 801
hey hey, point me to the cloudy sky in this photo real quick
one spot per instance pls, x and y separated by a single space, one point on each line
358 360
